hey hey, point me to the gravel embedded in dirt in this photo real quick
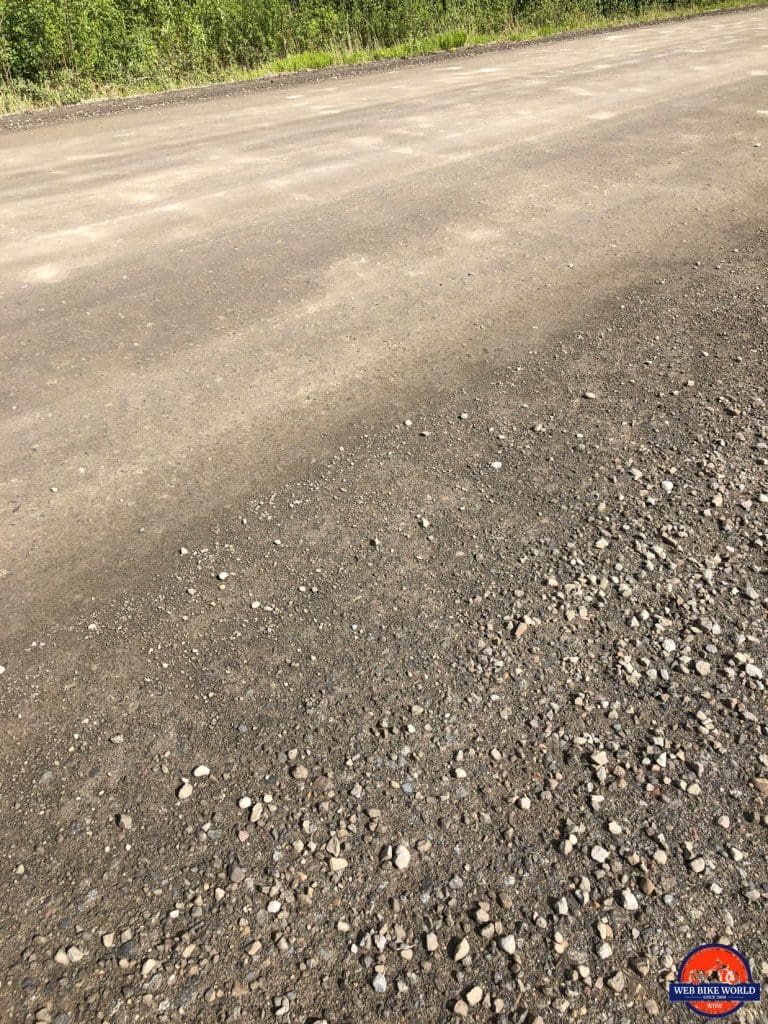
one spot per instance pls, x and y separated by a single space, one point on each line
484 736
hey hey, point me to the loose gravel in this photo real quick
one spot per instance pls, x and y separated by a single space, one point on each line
484 736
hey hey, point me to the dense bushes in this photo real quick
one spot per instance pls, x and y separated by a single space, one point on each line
96 37
129 41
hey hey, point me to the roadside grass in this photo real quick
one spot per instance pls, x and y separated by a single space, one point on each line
67 87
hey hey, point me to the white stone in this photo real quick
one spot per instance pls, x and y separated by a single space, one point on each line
629 900
474 996
401 857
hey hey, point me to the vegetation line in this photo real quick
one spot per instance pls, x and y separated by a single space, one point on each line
62 51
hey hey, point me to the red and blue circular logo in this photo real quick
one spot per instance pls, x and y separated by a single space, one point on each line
714 981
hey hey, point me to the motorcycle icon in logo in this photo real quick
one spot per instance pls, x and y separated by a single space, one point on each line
714 981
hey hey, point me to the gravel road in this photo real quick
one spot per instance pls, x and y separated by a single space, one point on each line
471 723
467 718
255 278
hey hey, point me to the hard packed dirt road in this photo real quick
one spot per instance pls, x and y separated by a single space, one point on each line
385 479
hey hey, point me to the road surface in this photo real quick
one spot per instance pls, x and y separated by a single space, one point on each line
385 616
198 300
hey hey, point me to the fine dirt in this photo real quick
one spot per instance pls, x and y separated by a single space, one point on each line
477 709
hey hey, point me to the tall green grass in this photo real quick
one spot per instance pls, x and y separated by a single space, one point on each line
64 50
